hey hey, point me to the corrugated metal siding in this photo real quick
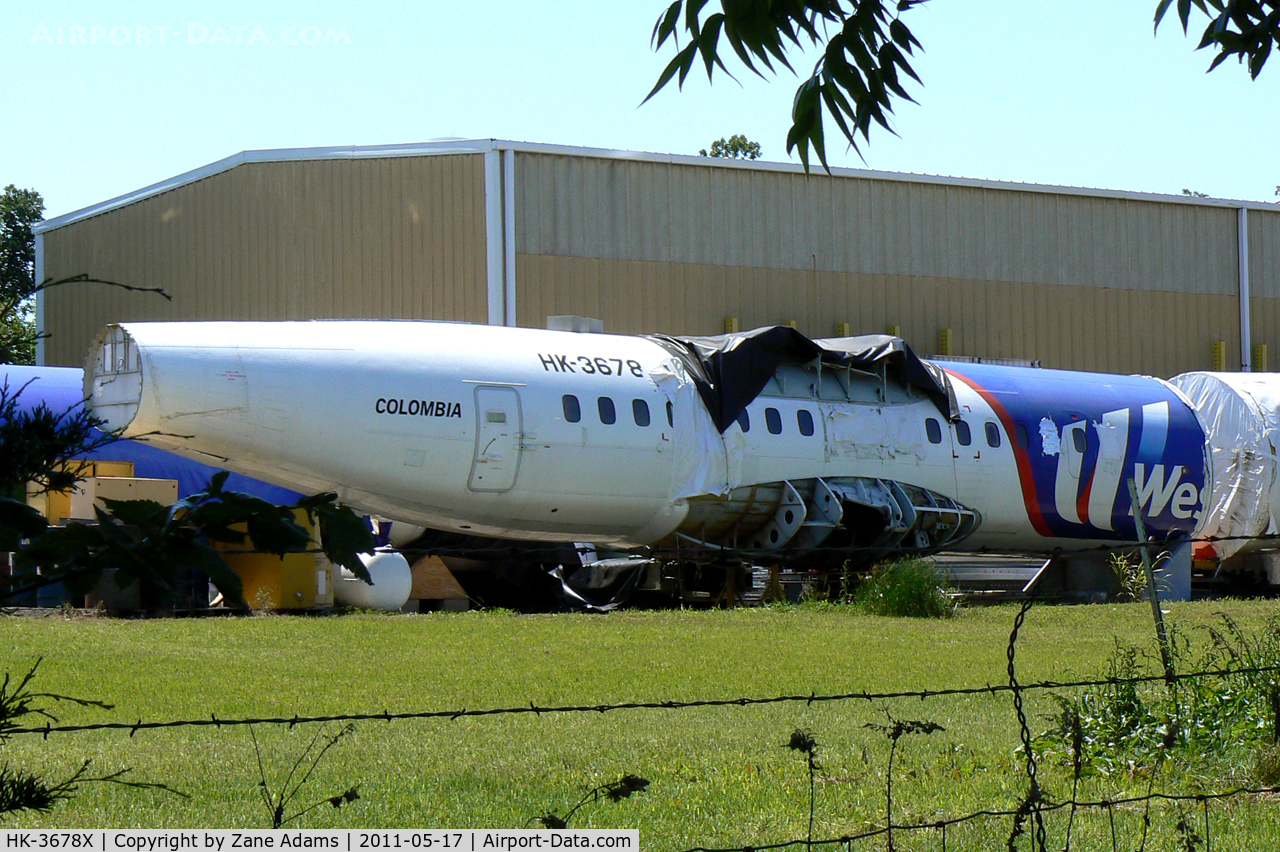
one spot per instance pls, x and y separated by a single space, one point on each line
1264 253
1264 282
1078 282
1069 327
395 237
629 210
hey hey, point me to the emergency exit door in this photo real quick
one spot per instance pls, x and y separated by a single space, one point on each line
498 436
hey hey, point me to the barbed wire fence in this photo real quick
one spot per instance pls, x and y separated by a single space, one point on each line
1027 824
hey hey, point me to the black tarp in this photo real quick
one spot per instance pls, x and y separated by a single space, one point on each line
730 370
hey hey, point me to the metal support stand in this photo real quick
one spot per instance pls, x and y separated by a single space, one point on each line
730 595
773 591
1166 654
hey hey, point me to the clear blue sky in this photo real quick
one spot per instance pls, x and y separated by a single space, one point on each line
1042 91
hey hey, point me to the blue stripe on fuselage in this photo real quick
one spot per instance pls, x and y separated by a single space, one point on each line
1135 427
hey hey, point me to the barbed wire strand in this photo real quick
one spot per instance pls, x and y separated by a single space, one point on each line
535 709
1045 807
1031 805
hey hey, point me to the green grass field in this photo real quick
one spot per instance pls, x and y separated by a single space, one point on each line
719 776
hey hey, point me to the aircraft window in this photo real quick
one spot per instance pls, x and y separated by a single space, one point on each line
933 429
671 420
744 421
805 420
773 421
963 435
1077 438
640 411
1021 436
993 434
608 415
495 417
572 411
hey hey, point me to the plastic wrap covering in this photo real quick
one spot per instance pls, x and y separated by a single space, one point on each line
708 460
730 370
1240 413
62 389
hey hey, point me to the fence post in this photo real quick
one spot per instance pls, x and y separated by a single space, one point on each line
1162 636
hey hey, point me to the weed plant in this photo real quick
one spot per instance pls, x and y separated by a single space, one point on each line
1123 726
1130 576
914 588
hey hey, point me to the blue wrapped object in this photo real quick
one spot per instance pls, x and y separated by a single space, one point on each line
62 389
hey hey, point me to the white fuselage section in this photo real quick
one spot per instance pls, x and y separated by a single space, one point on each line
523 433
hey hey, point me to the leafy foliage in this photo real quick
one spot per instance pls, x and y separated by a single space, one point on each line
1121 727
909 587
614 791
154 545
855 79
34 442
1245 29
25 791
736 147
19 210
18 335
866 49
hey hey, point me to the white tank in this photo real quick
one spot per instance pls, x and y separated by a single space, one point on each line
392 582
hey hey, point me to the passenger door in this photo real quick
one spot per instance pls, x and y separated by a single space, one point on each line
498 439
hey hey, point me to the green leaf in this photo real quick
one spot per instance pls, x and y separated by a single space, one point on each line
707 40
687 56
899 33
278 533
217 482
862 57
666 25
692 10
735 41
895 57
1218 60
344 535
311 503
112 531
832 97
1258 59
849 78
208 560
18 521
667 73
806 128
141 513
60 547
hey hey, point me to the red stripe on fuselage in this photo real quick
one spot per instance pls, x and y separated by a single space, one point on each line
1025 479
1082 505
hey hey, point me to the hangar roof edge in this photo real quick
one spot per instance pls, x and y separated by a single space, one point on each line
480 146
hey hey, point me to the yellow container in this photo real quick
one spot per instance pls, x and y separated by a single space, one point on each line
111 468
298 581
56 505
